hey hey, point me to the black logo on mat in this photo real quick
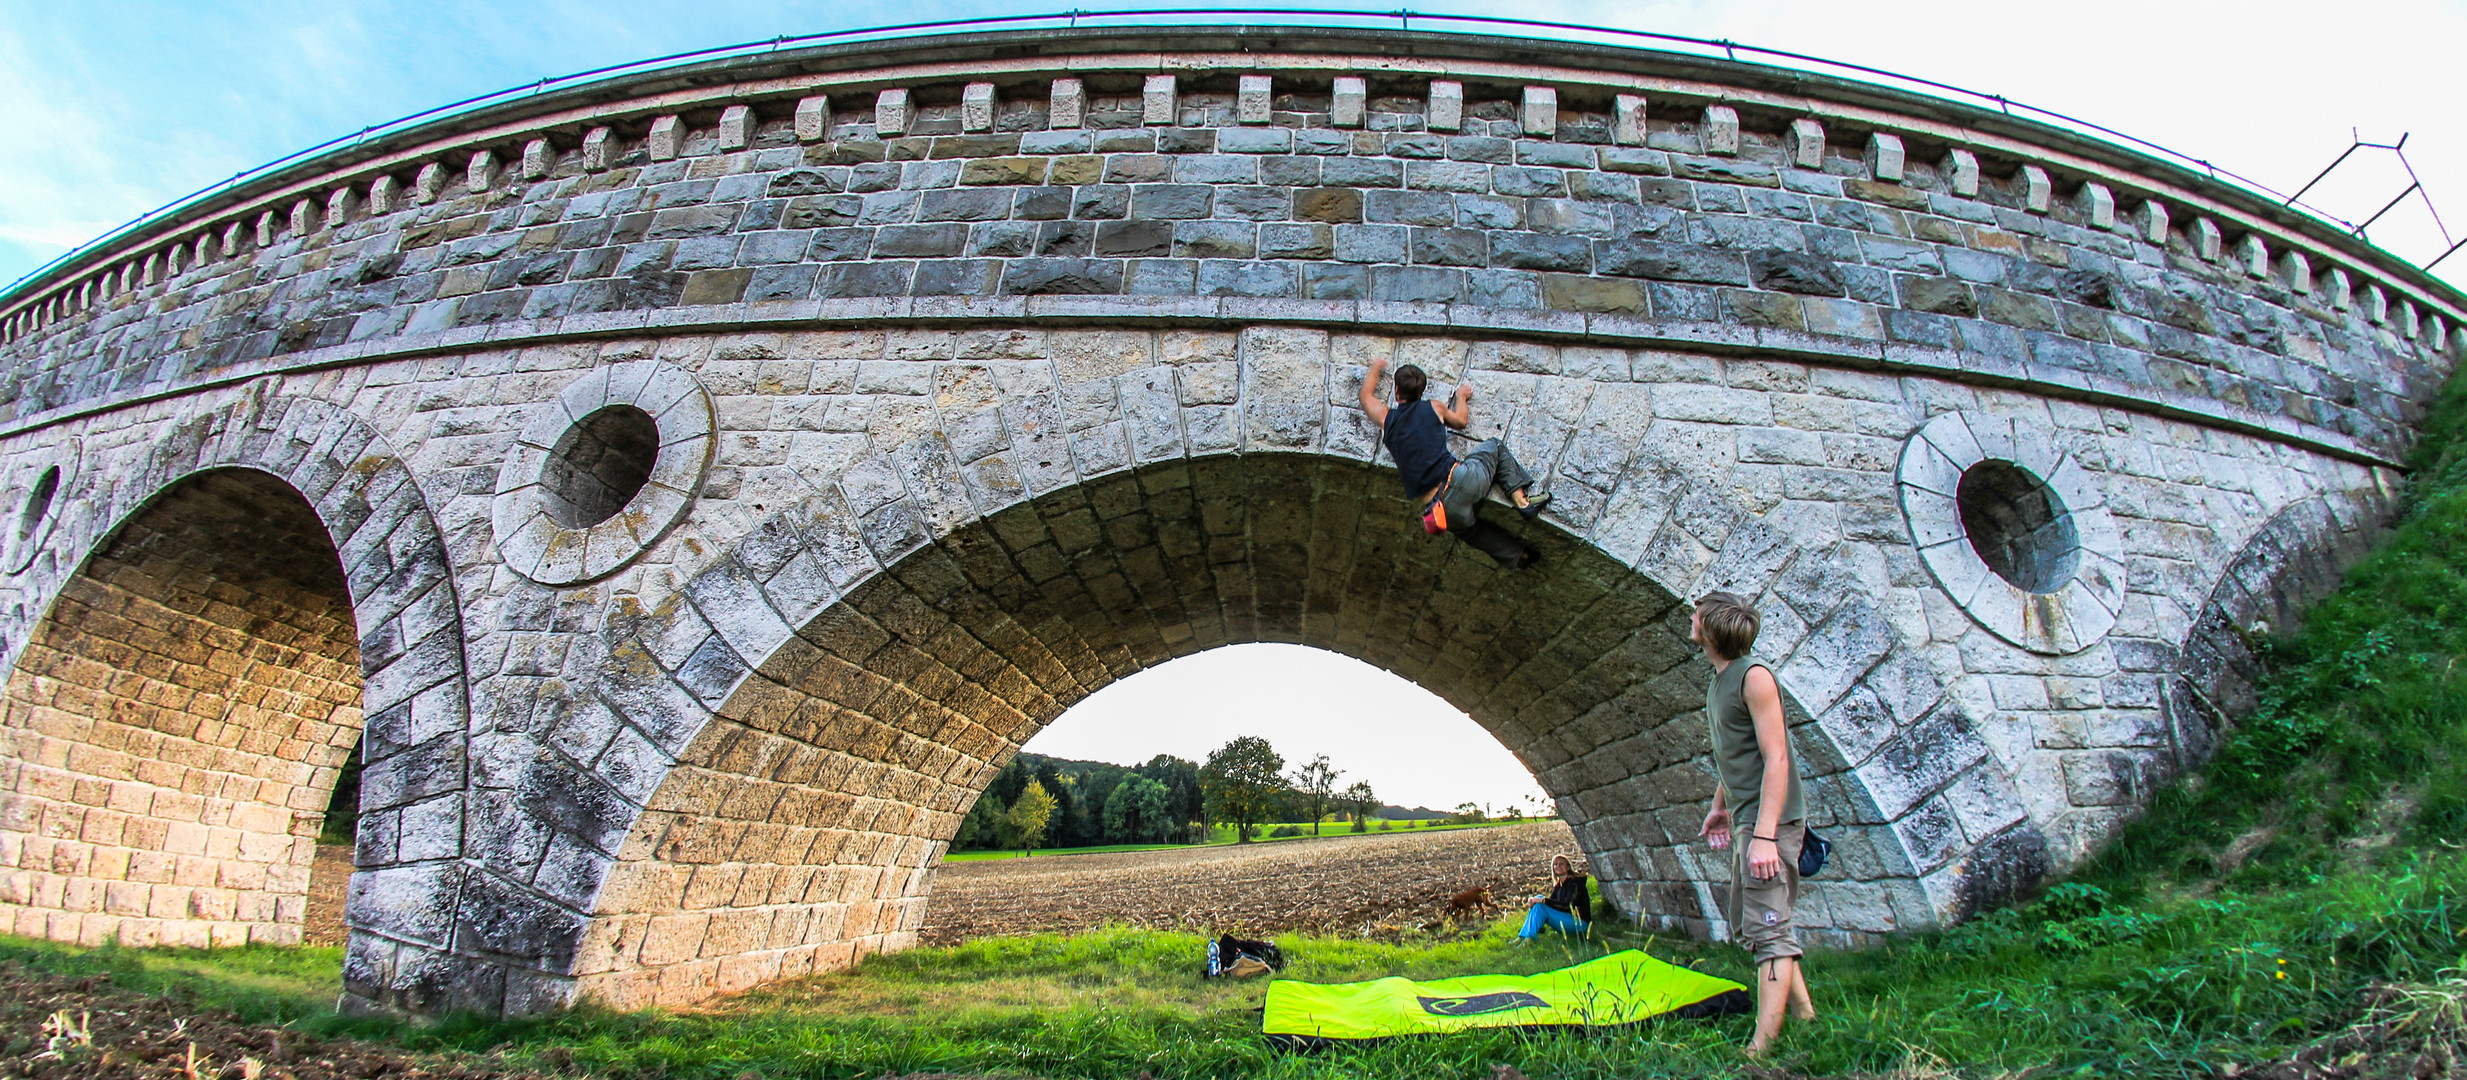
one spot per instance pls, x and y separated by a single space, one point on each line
1481 1004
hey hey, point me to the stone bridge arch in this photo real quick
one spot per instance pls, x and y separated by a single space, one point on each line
770 758
227 610
871 301
800 828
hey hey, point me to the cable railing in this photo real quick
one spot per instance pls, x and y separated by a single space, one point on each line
1404 19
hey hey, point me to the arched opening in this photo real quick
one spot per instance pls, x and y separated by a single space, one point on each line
599 465
802 825
1408 746
38 504
2019 526
175 726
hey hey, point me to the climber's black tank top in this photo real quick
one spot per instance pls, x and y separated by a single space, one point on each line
1419 442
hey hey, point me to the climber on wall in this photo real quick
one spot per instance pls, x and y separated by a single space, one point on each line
1445 490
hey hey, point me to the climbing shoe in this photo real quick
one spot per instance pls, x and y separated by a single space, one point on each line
1533 505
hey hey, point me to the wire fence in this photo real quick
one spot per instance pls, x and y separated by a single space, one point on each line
1403 19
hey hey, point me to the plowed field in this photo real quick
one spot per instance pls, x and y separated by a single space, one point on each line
1373 884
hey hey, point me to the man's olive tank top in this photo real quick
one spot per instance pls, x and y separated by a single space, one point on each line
1735 755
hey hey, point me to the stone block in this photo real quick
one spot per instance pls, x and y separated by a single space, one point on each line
2038 193
1160 101
1251 99
1067 104
340 205
1884 157
891 112
2296 272
813 118
977 107
1349 102
2150 221
599 149
1961 170
425 188
1627 120
1445 108
1538 113
1719 131
736 127
1807 143
2098 205
480 172
2253 256
2207 241
666 140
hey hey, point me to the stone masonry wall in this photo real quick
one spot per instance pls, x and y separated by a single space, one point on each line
1727 218
966 405
175 729
844 456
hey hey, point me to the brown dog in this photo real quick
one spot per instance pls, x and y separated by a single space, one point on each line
1473 899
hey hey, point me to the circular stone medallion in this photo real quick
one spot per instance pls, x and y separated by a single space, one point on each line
601 473
2014 530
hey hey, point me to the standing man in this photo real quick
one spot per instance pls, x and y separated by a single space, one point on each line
1759 791
1446 491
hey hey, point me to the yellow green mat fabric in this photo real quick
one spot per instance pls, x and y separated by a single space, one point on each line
1622 988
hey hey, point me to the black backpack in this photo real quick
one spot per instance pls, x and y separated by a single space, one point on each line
1224 951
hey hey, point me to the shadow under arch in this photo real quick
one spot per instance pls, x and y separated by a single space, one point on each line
175 726
800 828
284 490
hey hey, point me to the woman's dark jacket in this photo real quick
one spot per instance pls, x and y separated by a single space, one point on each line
1571 896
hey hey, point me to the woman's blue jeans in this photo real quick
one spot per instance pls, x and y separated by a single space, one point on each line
1542 917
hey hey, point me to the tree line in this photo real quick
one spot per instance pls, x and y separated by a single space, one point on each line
1042 802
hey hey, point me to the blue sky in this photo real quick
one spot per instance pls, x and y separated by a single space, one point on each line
117 106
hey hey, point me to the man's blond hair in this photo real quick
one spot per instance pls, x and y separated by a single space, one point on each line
1728 623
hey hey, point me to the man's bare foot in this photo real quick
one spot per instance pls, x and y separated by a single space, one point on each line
1803 1012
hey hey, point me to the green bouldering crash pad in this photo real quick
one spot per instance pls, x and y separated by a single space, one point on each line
1622 988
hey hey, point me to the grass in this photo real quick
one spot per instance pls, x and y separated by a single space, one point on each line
2076 981
1223 836
2264 904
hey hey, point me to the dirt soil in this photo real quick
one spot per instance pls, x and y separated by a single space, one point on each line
2405 1033
1372 884
60 1027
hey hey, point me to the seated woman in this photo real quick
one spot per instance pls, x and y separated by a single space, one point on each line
1569 907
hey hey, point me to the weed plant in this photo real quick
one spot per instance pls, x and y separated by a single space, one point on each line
2263 904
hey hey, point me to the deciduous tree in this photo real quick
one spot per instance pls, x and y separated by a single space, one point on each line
1361 802
1314 785
1028 815
1242 780
1138 809
983 825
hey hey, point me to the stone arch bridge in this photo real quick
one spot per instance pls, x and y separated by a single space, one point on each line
686 490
